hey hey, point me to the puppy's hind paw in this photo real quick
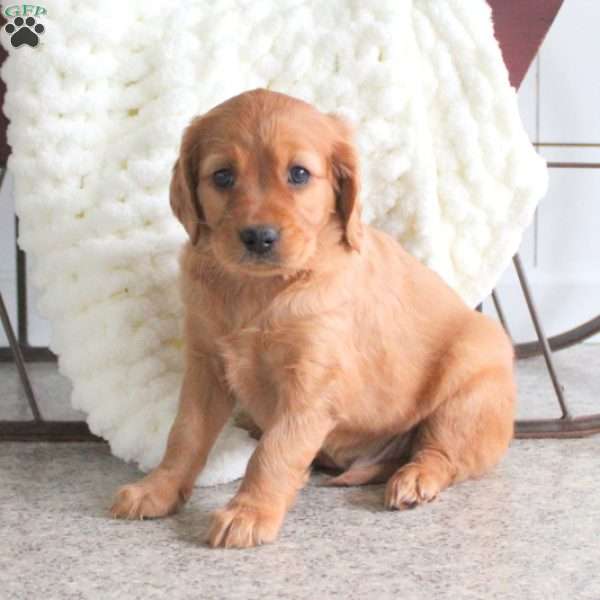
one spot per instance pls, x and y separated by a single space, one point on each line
410 486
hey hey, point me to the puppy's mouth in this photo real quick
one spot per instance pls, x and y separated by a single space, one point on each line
263 264
270 259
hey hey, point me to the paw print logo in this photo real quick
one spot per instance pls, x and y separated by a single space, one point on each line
24 31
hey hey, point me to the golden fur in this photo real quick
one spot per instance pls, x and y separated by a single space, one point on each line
340 347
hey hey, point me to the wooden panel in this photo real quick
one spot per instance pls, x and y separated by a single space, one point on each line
569 222
569 84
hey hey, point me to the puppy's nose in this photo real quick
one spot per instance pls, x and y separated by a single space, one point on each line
259 239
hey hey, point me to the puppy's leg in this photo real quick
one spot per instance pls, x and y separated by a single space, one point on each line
277 470
464 437
204 407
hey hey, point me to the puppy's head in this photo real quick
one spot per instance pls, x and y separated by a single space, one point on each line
268 181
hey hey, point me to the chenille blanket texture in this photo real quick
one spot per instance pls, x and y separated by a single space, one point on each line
96 113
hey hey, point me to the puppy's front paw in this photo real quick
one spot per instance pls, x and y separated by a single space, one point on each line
410 486
241 525
143 500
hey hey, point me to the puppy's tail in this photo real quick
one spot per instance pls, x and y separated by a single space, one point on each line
366 475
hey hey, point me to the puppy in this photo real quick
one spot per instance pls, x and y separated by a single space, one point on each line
339 345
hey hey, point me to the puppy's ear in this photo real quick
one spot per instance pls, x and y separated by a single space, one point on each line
185 203
345 168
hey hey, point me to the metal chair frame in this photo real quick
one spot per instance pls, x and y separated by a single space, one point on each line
520 26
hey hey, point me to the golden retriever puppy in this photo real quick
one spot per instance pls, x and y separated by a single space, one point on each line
337 343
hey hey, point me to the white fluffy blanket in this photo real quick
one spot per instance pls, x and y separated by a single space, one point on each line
96 114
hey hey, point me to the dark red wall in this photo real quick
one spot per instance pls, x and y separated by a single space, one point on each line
520 27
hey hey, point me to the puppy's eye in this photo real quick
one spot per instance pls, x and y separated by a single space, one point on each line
223 178
298 175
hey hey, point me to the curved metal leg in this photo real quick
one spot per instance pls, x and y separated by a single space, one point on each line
558 428
566 426
500 312
561 341
558 388
16 349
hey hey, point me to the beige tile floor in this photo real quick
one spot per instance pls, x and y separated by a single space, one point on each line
530 529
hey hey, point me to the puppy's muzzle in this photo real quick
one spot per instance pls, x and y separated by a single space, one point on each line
260 240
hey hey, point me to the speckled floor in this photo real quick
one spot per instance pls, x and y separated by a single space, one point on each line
528 530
